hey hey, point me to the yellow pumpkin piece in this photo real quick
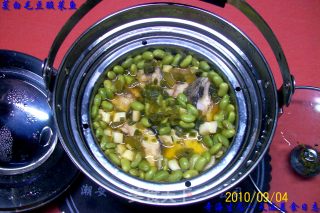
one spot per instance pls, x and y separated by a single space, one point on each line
136 92
122 102
213 109
189 144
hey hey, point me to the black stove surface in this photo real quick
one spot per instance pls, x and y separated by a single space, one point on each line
86 196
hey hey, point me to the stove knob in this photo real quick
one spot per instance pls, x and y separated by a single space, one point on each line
305 160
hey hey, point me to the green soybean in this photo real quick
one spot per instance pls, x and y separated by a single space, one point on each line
190 173
207 156
223 140
96 124
186 61
134 172
184 163
111 75
227 124
129 79
176 59
141 174
215 148
200 163
97 100
159 54
230 108
127 63
137 159
188 118
224 102
107 106
195 62
223 89
165 165
219 116
212 74
136 105
147 55
107 84
133 69
193 160
144 166
118 69
175 176
204 66
193 110
186 125
161 175
217 80
168 59
109 94
231 117
140 64
94 111
125 164
145 122
182 97
165 130
204 74
102 92
207 141
119 83
115 159
228 133
137 59
150 174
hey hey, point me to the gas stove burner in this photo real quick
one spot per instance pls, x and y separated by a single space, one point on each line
85 196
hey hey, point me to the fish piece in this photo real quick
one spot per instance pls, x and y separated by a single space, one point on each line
156 75
204 102
196 89
128 130
179 88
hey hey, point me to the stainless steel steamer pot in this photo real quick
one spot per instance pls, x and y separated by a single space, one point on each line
168 25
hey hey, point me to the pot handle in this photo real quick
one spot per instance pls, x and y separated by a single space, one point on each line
284 94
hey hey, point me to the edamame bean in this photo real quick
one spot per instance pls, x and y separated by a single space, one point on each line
107 106
182 97
144 166
133 69
217 80
136 105
111 75
186 61
168 59
175 176
211 74
165 130
103 124
145 122
115 159
141 174
129 79
204 74
230 108
118 69
207 156
109 94
223 140
193 110
94 111
176 59
140 65
190 173
125 164
165 165
223 89
219 116
127 63
204 66
224 102
228 133
195 62
134 172
107 84
95 125
161 175
227 124
184 163
102 92
137 159
147 55
215 148
231 117
200 164
159 54
137 59
150 174
193 160
97 100
186 125
207 141
188 118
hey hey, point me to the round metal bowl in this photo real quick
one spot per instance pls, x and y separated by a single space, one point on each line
175 26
